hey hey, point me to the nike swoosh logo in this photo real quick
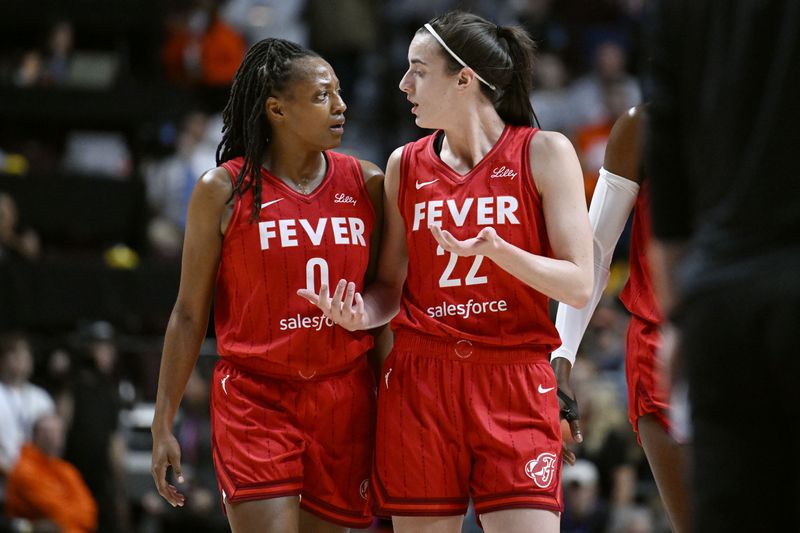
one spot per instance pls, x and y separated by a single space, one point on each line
542 390
267 204
424 183
223 384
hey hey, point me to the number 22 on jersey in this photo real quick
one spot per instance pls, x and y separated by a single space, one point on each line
472 278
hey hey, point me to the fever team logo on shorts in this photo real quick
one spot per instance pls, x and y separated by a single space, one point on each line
542 470
364 489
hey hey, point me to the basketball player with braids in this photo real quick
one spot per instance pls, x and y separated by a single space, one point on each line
292 398
621 188
485 221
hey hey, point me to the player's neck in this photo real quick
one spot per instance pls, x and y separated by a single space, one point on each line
289 163
473 135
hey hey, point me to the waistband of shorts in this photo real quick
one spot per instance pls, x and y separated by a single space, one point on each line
455 349
259 367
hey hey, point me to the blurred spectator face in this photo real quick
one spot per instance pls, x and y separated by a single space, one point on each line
30 69
8 217
59 363
610 61
48 435
580 482
550 72
17 363
61 39
618 98
104 354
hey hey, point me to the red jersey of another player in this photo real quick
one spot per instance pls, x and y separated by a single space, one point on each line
638 295
471 297
298 241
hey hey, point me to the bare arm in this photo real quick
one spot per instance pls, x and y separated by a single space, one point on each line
566 277
374 180
381 299
189 319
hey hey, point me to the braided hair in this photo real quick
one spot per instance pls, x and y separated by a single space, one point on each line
265 71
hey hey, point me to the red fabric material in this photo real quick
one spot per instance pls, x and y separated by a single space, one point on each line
470 297
453 422
260 320
277 437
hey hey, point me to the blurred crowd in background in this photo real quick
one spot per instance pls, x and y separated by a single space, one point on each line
110 113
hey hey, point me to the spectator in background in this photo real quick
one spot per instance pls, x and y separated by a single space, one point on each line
549 97
43 486
201 48
584 511
591 138
21 403
14 240
259 19
343 31
29 70
59 54
94 444
607 443
589 96
170 183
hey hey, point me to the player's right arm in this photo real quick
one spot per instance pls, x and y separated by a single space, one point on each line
381 299
612 202
189 319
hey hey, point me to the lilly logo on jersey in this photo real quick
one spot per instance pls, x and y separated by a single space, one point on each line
542 470
503 172
342 198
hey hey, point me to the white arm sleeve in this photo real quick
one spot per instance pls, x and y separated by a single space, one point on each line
611 205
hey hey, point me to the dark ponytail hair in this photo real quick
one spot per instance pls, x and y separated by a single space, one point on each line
265 71
503 55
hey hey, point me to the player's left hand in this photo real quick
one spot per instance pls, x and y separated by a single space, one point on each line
345 307
568 408
484 243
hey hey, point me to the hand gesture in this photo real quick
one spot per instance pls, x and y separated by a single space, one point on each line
345 308
484 243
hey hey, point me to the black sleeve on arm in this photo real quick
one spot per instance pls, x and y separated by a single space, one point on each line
666 162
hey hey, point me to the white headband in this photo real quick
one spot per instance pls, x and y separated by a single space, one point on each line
453 54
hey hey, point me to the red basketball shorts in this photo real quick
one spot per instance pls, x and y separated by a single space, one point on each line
277 437
646 396
456 420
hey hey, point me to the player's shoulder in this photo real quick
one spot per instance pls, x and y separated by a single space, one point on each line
550 141
547 147
370 171
216 184
623 152
630 123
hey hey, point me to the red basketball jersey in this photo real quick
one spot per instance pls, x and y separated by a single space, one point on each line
298 241
471 297
638 295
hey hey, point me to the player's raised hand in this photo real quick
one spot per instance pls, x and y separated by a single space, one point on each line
484 243
345 307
